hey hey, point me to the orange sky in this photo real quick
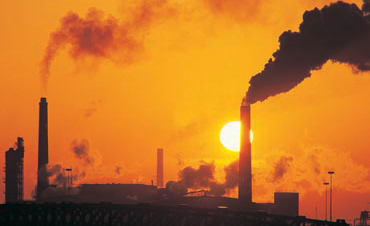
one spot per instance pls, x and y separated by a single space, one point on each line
184 83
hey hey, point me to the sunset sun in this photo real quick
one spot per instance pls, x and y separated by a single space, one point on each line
230 136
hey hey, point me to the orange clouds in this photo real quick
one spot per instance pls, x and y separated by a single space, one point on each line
238 10
104 37
307 170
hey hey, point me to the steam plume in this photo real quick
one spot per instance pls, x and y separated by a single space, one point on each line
281 167
82 151
56 172
339 32
203 177
103 37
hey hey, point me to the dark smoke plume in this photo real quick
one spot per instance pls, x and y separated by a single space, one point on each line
203 177
82 151
56 172
103 37
339 32
58 182
58 176
281 167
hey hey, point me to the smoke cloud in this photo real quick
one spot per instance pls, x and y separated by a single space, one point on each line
58 181
82 151
281 167
58 176
104 37
203 177
339 32
306 171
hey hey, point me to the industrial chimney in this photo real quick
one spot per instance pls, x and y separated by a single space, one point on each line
43 155
14 173
245 160
160 167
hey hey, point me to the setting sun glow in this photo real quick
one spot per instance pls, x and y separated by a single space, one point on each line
230 136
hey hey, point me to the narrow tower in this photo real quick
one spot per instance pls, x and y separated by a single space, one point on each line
245 160
14 173
160 167
42 178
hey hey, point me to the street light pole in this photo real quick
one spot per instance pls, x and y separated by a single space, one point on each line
326 200
331 191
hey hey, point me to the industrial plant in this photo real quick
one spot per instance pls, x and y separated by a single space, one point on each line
152 202
14 173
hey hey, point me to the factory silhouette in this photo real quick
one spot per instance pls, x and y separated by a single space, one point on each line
284 203
156 196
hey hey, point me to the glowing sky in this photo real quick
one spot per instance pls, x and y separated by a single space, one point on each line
182 83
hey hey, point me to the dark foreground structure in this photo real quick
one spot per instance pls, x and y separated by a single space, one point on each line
14 173
142 215
43 154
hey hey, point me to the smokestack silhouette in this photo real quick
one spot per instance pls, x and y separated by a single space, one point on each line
339 32
14 173
160 167
43 155
245 166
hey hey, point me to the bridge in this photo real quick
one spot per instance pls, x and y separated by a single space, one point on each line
68 214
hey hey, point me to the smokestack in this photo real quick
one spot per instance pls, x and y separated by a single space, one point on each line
245 166
160 167
14 173
43 155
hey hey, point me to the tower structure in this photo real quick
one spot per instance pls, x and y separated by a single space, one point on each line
245 160
160 167
43 153
14 173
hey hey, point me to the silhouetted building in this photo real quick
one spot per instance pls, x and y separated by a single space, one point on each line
96 193
43 155
14 173
286 203
160 167
245 160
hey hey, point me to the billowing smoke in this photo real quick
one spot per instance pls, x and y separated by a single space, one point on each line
232 175
198 178
339 32
203 177
58 176
103 37
82 151
281 167
56 172
58 179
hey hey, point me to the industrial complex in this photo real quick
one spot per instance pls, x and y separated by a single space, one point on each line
284 207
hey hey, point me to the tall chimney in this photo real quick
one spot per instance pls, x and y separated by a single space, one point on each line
43 155
245 166
160 167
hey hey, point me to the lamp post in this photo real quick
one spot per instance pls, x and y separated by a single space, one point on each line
68 184
331 191
326 200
